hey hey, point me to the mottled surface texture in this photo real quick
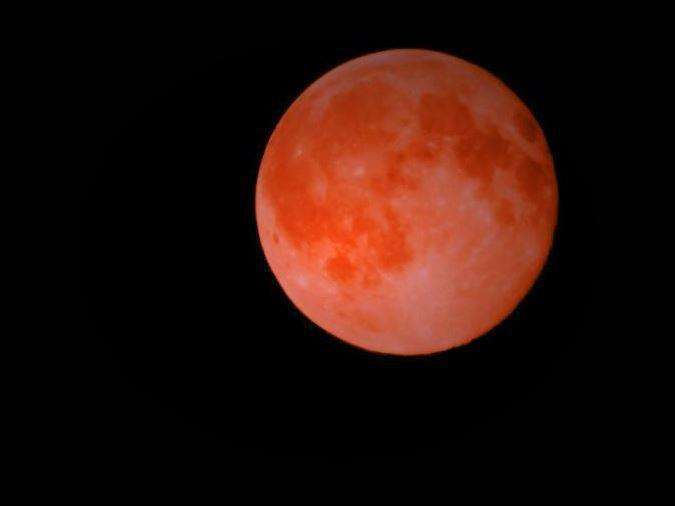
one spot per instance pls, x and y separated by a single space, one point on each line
406 201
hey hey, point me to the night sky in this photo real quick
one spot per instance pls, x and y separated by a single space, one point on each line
187 373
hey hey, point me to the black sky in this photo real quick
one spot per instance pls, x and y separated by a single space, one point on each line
184 372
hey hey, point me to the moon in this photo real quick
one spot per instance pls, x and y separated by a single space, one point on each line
406 202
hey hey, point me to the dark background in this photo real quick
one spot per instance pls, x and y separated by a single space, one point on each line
184 371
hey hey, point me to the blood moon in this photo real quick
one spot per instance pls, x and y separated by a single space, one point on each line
406 201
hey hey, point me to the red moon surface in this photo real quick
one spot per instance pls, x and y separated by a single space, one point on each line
406 201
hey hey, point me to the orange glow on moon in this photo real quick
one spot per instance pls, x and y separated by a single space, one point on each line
406 201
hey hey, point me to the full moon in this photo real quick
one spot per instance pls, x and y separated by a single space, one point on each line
406 201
